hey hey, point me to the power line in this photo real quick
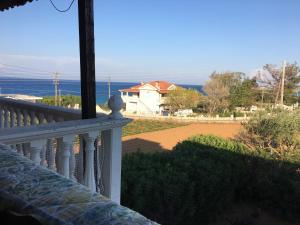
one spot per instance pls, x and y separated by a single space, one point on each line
25 68
62 10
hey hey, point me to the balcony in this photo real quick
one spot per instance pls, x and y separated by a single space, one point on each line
85 152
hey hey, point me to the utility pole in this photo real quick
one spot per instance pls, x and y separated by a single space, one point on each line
59 97
109 87
282 83
56 83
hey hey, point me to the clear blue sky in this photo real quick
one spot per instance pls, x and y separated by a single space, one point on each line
140 40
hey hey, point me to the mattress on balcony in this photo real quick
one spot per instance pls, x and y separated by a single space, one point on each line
53 199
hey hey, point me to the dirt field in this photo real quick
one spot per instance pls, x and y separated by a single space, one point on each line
166 139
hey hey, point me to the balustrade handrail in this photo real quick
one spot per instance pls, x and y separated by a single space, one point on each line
48 140
65 113
52 130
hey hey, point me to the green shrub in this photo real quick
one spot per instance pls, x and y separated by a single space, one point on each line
276 132
205 175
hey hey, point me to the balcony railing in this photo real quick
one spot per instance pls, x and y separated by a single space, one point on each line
87 151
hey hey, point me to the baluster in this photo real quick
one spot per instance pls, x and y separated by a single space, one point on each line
19 118
35 150
25 118
65 155
1 118
6 118
59 147
12 118
79 163
72 162
51 154
32 118
89 173
41 118
43 156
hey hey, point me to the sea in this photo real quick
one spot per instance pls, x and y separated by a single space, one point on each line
45 87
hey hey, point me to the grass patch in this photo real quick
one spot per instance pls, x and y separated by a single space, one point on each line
143 126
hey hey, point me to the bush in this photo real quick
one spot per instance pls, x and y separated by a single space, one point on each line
205 175
276 132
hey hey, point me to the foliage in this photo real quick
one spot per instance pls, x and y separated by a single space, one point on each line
65 100
243 94
204 175
276 132
218 90
271 79
143 126
181 98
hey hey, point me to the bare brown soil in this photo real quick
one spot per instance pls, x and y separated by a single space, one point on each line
166 139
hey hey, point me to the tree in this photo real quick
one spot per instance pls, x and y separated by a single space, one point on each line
270 78
181 98
218 89
243 94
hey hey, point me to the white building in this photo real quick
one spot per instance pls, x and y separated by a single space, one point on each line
146 98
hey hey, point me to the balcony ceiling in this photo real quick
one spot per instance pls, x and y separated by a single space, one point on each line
7 4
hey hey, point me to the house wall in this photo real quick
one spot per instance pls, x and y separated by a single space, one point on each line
147 102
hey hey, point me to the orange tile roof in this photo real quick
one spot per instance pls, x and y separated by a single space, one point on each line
161 86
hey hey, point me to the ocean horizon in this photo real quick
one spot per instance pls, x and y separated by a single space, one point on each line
45 87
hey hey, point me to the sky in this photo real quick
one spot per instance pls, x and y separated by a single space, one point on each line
181 41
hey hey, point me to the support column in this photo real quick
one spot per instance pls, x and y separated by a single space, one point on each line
111 173
87 58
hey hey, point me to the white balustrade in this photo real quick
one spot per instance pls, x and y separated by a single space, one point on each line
65 143
21 113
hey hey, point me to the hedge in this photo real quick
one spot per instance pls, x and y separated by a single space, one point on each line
205 175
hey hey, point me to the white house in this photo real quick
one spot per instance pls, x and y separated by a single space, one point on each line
146 98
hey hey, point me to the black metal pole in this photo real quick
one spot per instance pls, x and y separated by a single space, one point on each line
87 58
